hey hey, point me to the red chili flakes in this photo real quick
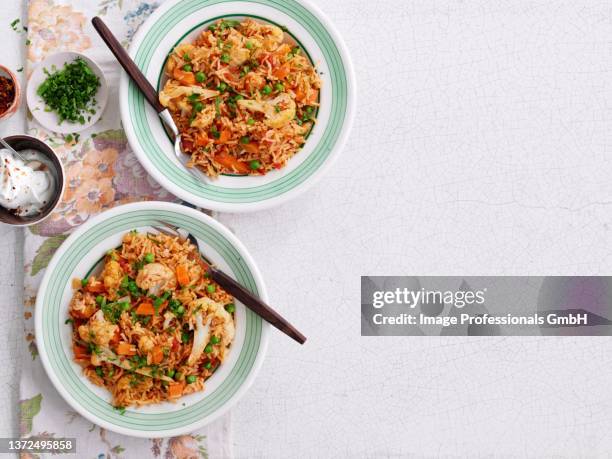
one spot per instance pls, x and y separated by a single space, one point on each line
7 93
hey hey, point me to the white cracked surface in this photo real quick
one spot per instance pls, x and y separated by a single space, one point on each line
481 145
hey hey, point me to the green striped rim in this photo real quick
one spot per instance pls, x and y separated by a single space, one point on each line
181 178
60 358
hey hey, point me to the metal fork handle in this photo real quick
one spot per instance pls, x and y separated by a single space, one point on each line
238 291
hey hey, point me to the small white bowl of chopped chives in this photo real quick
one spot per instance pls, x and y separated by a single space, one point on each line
67 92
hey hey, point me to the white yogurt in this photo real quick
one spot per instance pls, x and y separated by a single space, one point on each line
25 187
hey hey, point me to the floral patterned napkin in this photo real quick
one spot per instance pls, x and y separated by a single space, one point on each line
101 172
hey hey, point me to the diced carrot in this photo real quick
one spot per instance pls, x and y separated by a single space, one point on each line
186 78
224 136
182 275
201 139
157 355
251 147
98 287
299 95
282 71
85 313
231 163
145 309
116 337
80 352
124 348
175 389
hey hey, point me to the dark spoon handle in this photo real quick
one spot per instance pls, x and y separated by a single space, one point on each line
128 64
256 305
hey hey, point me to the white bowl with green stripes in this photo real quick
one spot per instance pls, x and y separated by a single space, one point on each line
178 21
83 250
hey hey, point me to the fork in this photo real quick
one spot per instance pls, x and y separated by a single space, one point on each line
234 288
149 93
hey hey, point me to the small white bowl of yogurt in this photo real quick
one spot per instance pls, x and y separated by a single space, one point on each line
31 183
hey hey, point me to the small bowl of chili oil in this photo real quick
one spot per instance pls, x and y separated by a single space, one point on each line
9 93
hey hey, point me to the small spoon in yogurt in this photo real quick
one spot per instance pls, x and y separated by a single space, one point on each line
26 182
8 147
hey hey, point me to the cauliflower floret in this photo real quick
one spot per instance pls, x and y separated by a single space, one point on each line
239 56
209 318
155 278
172 91
273 35
146 344
98 330
82 305
275 116
112 275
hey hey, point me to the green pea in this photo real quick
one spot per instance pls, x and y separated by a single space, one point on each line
191 379
225 58
99 372
279 87
184 337
266 90
186 57
198 106
208 365
249 45
170 373
208 348
231 308
149 258
244 140
239 97
254 165
222 86
178 375
200 77
210 288
187 68
180 310
215 339
99 299
84 282
250 121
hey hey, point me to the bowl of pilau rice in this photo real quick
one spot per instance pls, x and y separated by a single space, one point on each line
132 332
263 93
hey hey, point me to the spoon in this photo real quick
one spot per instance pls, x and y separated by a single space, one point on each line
11 149
148 92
